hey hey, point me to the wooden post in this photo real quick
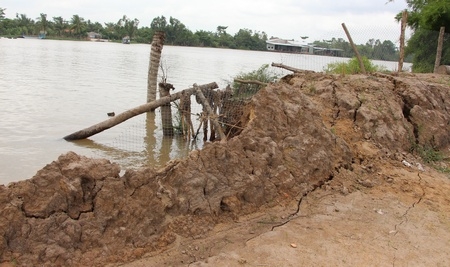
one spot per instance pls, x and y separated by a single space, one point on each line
113 121
402 40
155 58
361 63
207 108
439 49
166 109
184 108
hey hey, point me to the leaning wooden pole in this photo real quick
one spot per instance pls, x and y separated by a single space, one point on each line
355 49
402 40
208 109
100 127
437 62
155 58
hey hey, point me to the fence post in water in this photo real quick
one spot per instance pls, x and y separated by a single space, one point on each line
155 57
361 63
166 110
402 41
439 49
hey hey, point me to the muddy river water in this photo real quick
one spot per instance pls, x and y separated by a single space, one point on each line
49 89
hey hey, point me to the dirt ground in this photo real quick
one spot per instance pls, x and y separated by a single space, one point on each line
328 170
396 216
389 210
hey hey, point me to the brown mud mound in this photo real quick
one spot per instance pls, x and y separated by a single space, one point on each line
304 136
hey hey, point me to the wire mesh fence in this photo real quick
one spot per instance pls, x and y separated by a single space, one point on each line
172 131
175 129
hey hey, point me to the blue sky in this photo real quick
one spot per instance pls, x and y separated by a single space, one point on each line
289 19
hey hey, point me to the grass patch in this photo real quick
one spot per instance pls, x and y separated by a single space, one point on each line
432 156
352 67
429 154
263 74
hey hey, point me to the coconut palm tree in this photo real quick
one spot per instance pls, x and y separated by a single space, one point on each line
59 25
121 25
2 13
78 25
110 29
25 24
131 27
43 23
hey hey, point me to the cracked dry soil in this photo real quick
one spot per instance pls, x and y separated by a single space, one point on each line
318 177
403 220
377 213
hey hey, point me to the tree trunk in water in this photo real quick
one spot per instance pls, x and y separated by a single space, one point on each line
113 121
155 57
166 110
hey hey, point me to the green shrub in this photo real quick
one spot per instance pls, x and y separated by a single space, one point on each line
429 154
263 74
352 66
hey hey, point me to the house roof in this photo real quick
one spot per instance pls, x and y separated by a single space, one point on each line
284 42
293 43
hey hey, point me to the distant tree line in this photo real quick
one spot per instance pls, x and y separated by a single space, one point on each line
176 32
373 49
425 19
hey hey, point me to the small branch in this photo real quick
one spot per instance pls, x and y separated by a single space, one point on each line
209 111
250 82
289 68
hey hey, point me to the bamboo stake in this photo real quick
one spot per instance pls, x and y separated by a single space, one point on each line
207 108
355 49
402 40
439 49
100 127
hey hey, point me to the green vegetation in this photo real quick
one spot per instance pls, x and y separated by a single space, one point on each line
352 67
373 49
425 18
263 75
176 32
432 156
429 154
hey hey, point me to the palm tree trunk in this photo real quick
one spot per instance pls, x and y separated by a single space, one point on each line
155 57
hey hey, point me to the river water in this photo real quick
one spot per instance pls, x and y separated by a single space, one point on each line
49 89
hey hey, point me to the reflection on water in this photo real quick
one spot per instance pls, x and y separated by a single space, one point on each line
150 149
